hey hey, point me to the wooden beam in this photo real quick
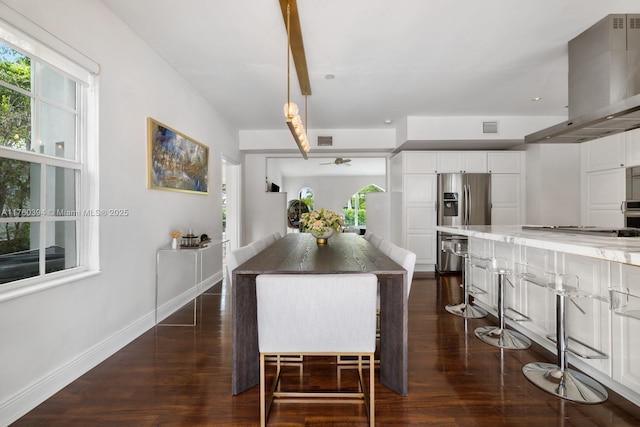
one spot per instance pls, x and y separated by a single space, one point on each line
297 46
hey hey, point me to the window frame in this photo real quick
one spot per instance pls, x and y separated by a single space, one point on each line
85 163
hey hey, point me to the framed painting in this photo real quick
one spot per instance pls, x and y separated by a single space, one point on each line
176 162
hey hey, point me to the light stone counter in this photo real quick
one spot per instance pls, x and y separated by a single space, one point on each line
618 249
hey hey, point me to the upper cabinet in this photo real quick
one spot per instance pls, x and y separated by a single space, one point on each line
606 153
420 162
632 148
457 161
504 161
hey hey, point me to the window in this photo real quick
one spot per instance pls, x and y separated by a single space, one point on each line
306 195
46 220
355 212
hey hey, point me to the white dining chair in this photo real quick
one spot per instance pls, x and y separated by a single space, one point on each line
375 240
316 314
236 257
407 260
385 247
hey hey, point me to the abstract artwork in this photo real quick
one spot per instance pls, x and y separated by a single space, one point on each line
176 162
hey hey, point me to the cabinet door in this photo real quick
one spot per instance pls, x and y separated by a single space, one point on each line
632 139
419 188
606 153
420 162
474 162
504 161
625 337
605 194
449 162
423 245
420 219
505 199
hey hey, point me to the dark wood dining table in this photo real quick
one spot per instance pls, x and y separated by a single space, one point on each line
298 253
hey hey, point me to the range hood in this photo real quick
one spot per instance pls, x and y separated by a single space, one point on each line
604 83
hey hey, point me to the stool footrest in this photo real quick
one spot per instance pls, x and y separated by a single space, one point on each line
474 290
515 315
579 348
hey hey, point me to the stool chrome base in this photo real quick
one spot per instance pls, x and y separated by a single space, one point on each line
503 338
467 311
568 384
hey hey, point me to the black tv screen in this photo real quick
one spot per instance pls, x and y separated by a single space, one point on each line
274 188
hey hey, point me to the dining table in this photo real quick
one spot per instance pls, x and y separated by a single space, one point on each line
299 253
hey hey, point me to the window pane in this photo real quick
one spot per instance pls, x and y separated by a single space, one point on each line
15 68
57 132
19 255
57 87
15 119
20 189
61 245
61 191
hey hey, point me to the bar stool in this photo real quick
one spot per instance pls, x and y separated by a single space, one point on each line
560 380
463 309
500 336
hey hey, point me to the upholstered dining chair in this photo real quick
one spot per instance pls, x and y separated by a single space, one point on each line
385 246
236 257
375 240
316 314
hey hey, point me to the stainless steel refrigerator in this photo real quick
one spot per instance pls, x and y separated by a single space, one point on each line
463 199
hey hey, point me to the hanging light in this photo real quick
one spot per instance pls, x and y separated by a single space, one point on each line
292 118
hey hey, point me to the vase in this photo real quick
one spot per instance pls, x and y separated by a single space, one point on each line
174 243
323 238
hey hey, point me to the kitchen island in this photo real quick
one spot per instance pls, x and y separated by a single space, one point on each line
603 318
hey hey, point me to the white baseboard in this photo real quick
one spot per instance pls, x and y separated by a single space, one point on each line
22 402
19 404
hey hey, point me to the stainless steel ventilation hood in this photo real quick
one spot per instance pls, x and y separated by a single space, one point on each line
604 83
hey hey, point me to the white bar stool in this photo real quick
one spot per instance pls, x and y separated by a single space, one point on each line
464 309
500 336
560 380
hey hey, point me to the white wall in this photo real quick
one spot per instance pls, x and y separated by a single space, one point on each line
50 337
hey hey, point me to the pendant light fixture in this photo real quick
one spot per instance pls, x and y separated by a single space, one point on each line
292 118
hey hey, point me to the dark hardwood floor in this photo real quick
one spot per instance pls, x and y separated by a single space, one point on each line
181 376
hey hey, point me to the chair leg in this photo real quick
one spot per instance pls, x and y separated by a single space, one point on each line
372 392
558 379
501 336
263 404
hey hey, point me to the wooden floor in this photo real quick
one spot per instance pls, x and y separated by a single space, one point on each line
181 376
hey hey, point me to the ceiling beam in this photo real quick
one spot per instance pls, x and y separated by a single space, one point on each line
297 47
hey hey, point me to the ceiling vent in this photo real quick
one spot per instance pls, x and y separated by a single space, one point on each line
489 127
325 141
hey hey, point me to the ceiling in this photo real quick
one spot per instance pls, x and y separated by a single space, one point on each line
390 59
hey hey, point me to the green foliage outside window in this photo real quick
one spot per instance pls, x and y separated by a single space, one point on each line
359 201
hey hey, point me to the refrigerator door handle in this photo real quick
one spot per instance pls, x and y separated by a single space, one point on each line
467 202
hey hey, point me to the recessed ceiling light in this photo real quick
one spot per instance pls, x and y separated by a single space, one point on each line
388 122
329 76
537 98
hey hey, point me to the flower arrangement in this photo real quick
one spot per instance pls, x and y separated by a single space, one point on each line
319 221
176 234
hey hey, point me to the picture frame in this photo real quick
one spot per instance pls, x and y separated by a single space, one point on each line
176 161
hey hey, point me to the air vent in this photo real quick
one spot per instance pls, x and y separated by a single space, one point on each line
325 141
618 23
489 127
634 23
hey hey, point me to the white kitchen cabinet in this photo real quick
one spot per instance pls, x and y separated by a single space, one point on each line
462 161
504 161
605 192
632 148
606 153
419 162
625 338
506 199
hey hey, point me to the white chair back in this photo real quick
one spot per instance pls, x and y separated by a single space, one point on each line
407 260
236 257
375 240
316 313
386 247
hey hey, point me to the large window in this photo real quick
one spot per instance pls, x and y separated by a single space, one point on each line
43 164
355 211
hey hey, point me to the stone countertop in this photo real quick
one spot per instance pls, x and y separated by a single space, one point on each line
618 249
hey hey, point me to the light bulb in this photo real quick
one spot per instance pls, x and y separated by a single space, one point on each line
290 109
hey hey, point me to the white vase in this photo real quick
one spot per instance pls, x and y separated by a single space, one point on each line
323 238
174 243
